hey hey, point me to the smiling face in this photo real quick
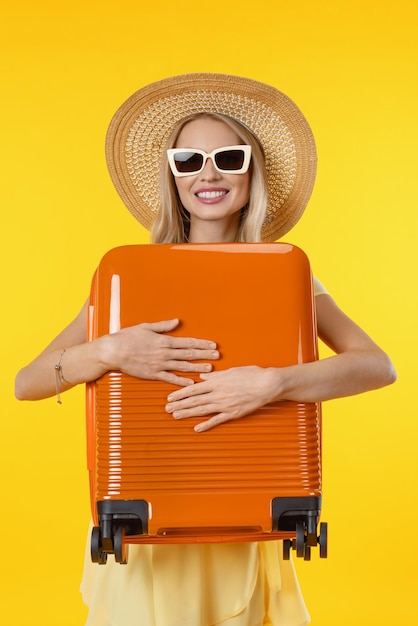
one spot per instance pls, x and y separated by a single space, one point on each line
213 199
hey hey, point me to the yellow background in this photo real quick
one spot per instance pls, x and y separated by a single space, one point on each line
351 67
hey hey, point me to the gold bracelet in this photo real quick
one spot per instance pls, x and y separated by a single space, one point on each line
59 375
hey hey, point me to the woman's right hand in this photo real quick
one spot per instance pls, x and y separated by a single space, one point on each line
146 351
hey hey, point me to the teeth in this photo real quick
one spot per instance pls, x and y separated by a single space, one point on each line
211 194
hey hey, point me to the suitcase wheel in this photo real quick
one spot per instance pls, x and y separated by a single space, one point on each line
303 542
287 546
117 546
323 540
121 548
300 540
98 555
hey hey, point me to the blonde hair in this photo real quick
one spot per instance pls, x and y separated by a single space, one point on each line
172 222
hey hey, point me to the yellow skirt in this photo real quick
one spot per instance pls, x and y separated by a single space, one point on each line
195 585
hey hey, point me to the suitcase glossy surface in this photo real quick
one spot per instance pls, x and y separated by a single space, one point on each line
153 479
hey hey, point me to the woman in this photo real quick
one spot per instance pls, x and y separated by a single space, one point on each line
238 164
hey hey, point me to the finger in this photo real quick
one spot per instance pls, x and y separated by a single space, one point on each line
196 405
198 389
189 343
198 411
211 423
161 327
193 354
186 367
205 377
181 381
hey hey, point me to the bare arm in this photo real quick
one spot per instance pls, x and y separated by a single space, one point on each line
359 365
143 351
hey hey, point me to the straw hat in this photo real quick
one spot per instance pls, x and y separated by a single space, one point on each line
140 127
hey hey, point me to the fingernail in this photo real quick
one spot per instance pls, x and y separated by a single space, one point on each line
215 354
212 345
198 428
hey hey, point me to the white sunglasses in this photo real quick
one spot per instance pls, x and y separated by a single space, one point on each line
227 160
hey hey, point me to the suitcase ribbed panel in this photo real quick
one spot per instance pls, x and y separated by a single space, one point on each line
141 451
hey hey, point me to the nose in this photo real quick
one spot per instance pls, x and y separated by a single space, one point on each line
209 172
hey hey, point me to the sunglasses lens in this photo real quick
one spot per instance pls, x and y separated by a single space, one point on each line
188 162
230 160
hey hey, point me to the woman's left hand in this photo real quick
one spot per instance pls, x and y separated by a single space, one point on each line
226 395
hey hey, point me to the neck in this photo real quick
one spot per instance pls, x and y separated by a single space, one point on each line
212 232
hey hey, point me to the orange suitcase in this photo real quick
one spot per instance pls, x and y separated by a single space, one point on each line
152 478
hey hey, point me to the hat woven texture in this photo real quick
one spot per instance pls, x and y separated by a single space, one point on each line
141 126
